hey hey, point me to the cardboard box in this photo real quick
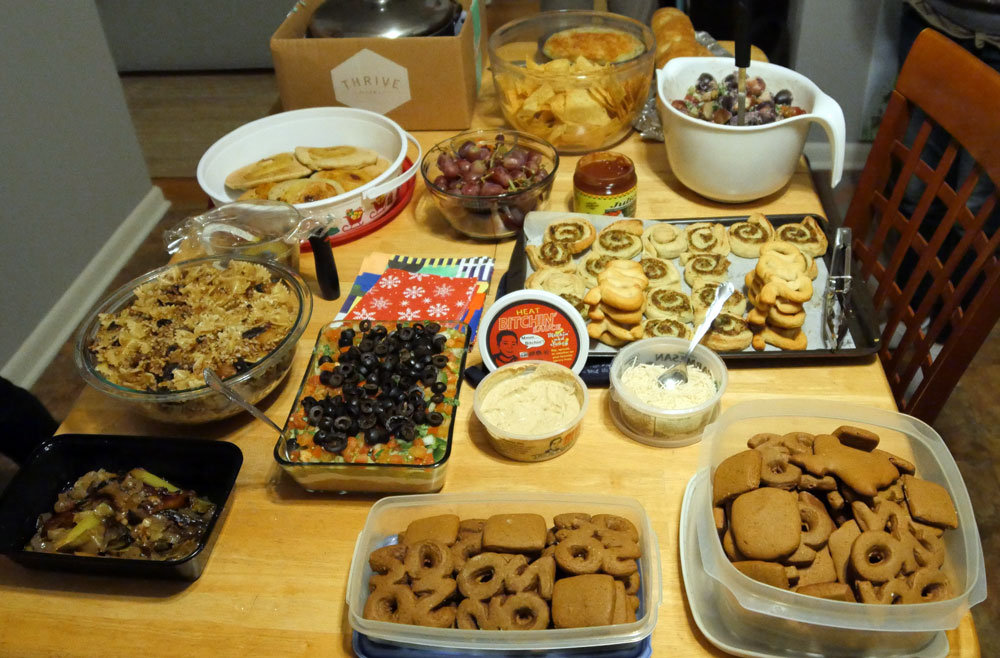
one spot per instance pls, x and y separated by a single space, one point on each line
422 83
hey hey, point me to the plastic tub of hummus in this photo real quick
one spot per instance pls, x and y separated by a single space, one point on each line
532 410
656 416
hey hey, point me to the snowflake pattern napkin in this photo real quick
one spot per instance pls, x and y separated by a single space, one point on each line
402 295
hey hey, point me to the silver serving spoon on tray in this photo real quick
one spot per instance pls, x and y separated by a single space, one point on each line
677 375
216 384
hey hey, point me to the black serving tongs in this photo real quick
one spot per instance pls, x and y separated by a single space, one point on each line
742 49
836 304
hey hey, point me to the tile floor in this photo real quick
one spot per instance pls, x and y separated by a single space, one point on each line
177 116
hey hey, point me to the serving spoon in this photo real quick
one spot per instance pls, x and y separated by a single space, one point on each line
216 384
677 374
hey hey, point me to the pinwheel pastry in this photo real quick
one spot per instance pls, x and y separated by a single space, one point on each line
707 238
703 296
558 282
728 333
746 238
703 268
558 255
593 264
666 327
807 235
664 241
621 239
662 303
577 232
661 273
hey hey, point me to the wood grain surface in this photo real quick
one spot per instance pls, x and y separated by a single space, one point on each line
276 581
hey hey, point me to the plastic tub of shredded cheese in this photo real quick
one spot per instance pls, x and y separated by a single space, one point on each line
648 413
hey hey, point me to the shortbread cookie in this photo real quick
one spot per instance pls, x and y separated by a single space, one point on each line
660 272
807 235
272 169
746 238
576 231
551 254
558 282
664 240
663 303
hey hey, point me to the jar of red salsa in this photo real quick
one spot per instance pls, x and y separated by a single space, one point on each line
604 183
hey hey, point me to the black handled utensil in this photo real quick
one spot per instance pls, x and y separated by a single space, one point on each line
326 267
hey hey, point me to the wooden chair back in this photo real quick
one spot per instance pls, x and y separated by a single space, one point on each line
933 270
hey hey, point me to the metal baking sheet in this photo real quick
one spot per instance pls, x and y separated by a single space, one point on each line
862 338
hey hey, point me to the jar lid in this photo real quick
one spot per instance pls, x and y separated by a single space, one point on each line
388 19
533 324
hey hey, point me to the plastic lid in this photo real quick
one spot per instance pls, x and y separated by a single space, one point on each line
533 324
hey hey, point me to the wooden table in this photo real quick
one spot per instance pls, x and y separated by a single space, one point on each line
275 583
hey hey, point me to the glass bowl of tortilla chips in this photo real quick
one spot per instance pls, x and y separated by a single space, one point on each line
573 78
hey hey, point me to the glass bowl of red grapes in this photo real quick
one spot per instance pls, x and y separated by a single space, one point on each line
486 181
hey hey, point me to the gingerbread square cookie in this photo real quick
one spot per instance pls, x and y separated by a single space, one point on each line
514 533
586 600
929 502
442 528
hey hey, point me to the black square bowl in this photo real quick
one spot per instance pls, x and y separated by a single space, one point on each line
208 467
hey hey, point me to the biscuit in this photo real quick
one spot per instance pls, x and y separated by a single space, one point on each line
746 238
557 255
663 303
706 238
664 240
557 281
864 472
929 502
577 232
736 475
769 573
766 523
661 273
514 533
442 528
585 600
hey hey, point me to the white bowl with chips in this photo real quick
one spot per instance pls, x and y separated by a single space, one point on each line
735 164
317 127
576 105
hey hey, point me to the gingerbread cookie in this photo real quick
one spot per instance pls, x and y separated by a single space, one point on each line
736 475
514 533
864 472
766 524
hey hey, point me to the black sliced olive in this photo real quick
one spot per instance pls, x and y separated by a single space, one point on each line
321 437
406 381
314 414
342 423
335 380
419 417
370 388
366 407
407 431
256 331
347 369
375 435
415 396
437 398
326 358
345 340
432 327
422 350
367 422
440 360
324 377
291 444
380 349
435 418
325 423
242 365
429 375
406 334
439 387
405 408
367 345
162 322
365 325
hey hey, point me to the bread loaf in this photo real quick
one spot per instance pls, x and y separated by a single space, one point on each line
675 36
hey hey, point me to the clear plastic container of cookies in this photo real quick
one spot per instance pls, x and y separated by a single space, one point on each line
390 516
805 625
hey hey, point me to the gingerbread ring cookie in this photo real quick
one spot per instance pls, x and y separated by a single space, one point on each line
393 603
876 556
520 612
578 554
575 231
428 559
473 615
664 241
551 254
482 576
